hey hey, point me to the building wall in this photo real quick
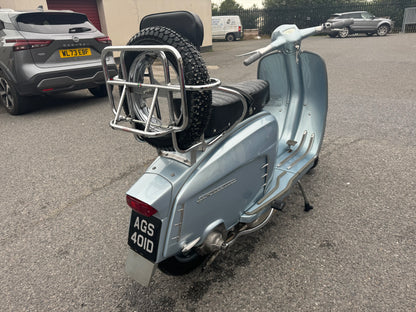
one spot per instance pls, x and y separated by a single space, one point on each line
120 19
123 21
22 5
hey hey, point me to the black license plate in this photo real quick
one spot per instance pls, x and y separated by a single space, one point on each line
144 235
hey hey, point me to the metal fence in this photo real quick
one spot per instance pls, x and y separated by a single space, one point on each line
267 20
409 18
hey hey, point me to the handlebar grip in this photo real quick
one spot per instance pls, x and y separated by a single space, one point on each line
252 58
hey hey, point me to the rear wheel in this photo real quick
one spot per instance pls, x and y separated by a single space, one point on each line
230 37
344 32
145 67
99 91
14 103
181 264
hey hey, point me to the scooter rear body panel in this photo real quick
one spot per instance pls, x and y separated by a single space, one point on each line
226 179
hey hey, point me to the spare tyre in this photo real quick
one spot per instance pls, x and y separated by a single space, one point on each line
140 68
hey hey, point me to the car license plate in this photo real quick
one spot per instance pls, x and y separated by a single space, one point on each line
74 52
144 235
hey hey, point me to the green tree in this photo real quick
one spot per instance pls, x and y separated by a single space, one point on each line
214 9
269 4
229 5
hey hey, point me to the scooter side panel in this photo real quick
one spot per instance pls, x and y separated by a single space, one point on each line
230 178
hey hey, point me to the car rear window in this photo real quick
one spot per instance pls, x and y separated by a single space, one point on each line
54 23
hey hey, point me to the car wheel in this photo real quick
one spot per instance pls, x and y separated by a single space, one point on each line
230 37
382 30
14 103
344 32
99 91
198 104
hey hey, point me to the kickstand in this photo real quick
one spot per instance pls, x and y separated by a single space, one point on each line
308 206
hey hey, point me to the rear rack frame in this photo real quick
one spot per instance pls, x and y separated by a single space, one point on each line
119 120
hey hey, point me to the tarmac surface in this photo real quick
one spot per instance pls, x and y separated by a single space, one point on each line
64 220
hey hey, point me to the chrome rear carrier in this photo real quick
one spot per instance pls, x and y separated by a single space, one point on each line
150 128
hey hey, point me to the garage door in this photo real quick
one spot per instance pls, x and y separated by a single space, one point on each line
88 7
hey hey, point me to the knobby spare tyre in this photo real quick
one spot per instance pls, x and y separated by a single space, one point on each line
195 72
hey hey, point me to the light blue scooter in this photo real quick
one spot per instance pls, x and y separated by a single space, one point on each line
228 156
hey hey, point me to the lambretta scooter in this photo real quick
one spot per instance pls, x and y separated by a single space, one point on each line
228 156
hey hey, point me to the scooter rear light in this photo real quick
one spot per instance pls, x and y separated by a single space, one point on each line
140 207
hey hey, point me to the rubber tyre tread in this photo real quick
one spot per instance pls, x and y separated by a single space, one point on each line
180 265
20 103
195 72
99 91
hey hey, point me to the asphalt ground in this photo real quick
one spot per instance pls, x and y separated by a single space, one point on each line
64 221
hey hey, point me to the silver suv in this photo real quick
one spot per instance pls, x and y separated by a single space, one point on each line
44 52
364 22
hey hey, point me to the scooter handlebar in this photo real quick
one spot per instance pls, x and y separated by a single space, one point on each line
254 57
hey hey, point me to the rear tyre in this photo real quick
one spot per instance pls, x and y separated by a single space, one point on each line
138 65
14 103
181 264
344 32
100 91
230 37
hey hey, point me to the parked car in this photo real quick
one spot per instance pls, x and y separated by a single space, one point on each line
227 27
364 22
43 52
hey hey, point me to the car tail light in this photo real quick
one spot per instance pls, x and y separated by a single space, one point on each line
140 207
239 28
105 40
23 44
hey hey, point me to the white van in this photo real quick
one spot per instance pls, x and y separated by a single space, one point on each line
227 27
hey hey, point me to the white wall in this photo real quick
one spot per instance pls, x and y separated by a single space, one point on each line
120 19
123 21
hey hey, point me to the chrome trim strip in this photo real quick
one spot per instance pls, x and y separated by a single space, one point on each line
305 154
177 237
293 153
288 186
276 187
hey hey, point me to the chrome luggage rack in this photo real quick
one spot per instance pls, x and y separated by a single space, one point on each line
126 123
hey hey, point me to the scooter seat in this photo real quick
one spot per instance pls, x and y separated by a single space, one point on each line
227 108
